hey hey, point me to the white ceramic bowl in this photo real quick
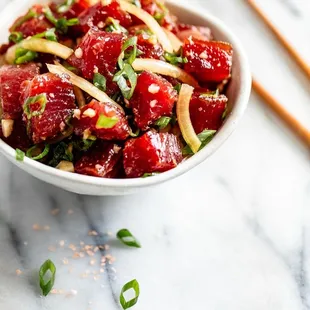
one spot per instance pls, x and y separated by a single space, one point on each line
238 94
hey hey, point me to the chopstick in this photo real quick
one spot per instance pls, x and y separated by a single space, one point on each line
298 129
292 51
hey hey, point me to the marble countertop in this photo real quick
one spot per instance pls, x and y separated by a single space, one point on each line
232 234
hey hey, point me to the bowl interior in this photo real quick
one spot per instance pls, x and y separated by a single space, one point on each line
238 93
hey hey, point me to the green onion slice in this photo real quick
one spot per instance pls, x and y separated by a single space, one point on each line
121 79
47 285
39 99
100 81
20 155
22 56
130 57
163 122
105 122
66 6
41 155
147 175
125 236
128 286
49 35
175 59
114 26
205 137
16 37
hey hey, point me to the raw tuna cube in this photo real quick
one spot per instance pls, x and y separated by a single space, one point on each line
11 77
18 138
103 120
96 16
98 52
149 47
48 102
206 111
153 152
153 97
208 61
103 161
34 25
184 31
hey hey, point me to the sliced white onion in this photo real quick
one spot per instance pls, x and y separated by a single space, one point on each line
164 68
66 166
184 118
7 127
40 45
175 41
82 84
150 22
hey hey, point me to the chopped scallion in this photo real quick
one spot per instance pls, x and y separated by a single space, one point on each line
66 6
22 56
39 99
100 81
174 59
16 37
49 35
128 286
20 155
163 122
105 122
125 236
39 156
48 269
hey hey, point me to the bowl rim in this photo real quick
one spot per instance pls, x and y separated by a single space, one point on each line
185 166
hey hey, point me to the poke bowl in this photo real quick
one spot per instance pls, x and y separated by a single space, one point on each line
109 97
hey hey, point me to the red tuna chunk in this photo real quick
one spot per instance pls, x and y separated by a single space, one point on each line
208 61
149 47
18 138
102 161
98 52
33 25
48 102
153 152
153 97
11 77
104 120
96 16
207 111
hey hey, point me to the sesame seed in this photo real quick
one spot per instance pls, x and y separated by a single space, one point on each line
90 253
77 113
153 89
92 262
36 227
72 247
62 243
18 272
100 24
204 55
89 113
153 103
78 53
65 261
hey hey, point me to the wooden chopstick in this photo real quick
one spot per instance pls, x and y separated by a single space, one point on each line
299 130
296 56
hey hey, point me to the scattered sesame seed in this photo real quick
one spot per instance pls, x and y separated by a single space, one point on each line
153 103
153 89
36 227
65 261
92 262
18 272
101 270
77 113
90 253
89 113
72 247
62 243
204 55
78 53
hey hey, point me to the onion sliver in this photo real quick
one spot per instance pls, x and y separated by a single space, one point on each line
150 22
175 41
164 68
7 127
184 119
82 84
42 46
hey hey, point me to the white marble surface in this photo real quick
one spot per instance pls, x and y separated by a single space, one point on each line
232 234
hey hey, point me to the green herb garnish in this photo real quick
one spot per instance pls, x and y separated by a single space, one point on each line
178 87
62 152
100 81
125 236
66 6
16 37
49 35
20 155
22 56
83 145
114 26
174 59
105 122
163 122
205 137
61 24
39 99
134 134
47 270
128 286
39 156
31 14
